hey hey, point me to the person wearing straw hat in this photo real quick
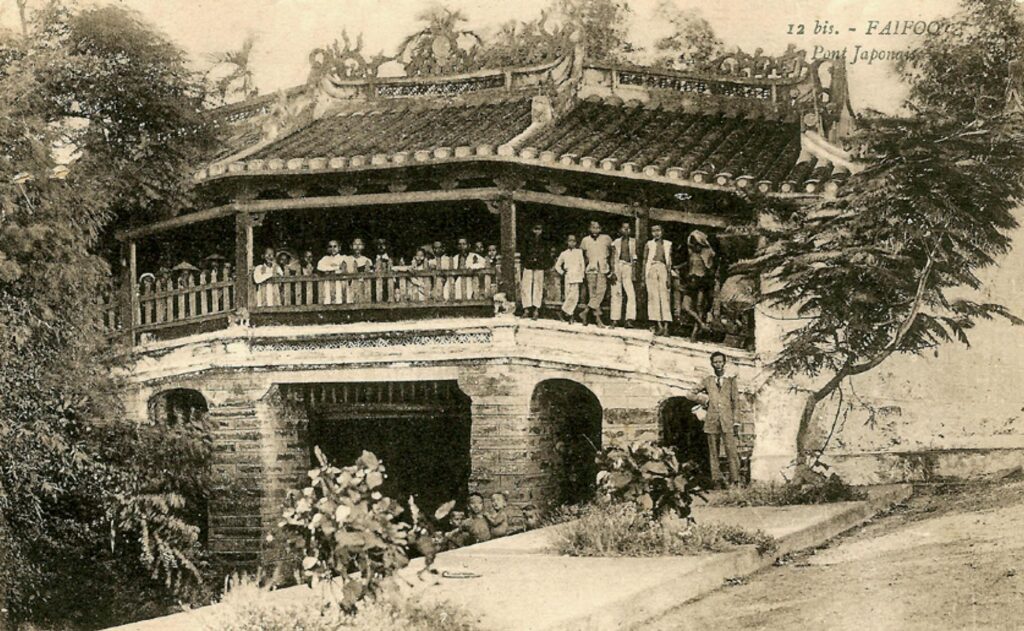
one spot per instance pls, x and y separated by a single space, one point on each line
288 263
214 262
184 272
146 283
701 272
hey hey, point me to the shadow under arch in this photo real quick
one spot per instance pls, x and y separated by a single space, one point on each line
681 429
568 417
419 429
185 410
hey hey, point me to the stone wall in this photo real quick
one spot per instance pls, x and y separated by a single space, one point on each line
260 436
952 411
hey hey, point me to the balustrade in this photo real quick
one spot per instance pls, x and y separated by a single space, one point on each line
376 290
189 298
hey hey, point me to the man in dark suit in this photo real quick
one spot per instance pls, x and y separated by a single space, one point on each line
718 394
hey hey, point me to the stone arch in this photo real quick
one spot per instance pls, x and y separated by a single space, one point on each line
681 429
177 406
567 419
180 408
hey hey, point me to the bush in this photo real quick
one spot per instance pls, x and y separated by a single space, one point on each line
348 531
650 476
624 530
247 606
104 535
825 491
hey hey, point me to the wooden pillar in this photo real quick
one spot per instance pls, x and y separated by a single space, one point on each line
243 261
129 290
643 233
507 213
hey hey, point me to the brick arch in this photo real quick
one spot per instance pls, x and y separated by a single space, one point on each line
176 405
566 418
182 407
680 428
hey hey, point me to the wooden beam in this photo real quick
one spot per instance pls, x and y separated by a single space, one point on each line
370 199
177 222
325 202
627 210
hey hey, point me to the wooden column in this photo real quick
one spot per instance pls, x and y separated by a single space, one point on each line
643 233
243 261
507 213
129 298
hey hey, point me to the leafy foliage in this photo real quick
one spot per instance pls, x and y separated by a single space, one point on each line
692 39
650 476
348 531
237 83
603 26
624 530
826 491
882 269
96 122
963 70
249 606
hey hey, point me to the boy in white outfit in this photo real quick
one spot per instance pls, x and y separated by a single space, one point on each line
571 267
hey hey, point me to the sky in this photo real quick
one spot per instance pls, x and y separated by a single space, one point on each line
287 30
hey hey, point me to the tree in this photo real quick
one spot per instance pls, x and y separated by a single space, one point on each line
526 43
99 118
603 26
692 39
237 84
880 270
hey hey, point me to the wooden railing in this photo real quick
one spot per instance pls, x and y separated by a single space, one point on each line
189 298
377 290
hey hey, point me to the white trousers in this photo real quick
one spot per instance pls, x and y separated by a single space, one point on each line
531 288
659 305
572 298
623 285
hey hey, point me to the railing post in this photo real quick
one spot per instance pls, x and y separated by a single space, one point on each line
507 213
243 264
129 292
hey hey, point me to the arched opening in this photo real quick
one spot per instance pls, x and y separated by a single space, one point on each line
681 429
567 417
419 429
184 411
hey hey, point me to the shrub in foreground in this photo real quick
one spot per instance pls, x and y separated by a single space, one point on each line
824 491
625 530
247 606
650 476
349 532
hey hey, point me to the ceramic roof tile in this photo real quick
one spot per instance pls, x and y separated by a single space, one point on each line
700 146
394 130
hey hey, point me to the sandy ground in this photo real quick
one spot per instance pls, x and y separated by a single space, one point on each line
951 557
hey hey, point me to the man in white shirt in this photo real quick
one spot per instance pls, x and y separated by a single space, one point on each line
596 249
624 258
359 289
466 259
267 295
657 263
332 292
572 267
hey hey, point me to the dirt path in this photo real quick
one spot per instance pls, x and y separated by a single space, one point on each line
950 558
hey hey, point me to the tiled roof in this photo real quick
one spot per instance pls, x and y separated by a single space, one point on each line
691 146
695 146
403 129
